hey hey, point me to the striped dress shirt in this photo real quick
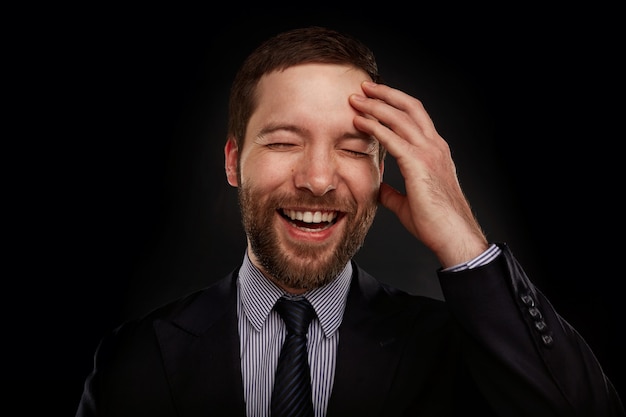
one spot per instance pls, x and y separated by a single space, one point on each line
262 332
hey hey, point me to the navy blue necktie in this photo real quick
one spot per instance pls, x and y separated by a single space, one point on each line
292 385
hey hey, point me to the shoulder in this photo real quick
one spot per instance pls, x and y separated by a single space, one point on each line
190 311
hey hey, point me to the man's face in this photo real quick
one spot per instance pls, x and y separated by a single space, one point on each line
308 180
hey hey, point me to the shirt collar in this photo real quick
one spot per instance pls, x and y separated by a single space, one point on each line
258 296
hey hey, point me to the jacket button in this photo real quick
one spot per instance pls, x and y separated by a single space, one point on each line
547 340
527 300
535 313
541 325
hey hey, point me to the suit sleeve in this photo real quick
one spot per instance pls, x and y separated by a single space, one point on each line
526 359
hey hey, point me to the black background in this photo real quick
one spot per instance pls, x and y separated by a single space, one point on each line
116 198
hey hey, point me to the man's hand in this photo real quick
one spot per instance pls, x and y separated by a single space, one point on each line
434 208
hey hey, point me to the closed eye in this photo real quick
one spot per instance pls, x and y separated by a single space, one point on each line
280 146
358 146
356 153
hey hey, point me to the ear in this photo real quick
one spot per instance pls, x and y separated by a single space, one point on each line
381 168
231 157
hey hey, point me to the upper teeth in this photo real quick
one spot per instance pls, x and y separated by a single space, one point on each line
311 216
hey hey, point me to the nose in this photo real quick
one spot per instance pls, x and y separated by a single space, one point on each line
316 172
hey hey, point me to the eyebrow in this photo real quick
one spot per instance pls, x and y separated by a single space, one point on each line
274 127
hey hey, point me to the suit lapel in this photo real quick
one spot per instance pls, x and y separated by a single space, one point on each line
200 348
370 343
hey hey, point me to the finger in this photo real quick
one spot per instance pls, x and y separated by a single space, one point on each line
400 100
390 117
395 145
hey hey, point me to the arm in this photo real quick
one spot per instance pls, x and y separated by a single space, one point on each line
512 356
523 355
434 210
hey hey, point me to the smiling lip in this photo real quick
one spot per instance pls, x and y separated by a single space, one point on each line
317 216
310 220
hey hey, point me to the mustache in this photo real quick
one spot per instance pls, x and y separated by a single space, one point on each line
305 199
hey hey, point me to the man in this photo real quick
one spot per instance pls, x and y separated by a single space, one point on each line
309 128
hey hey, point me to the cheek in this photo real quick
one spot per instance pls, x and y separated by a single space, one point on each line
365 184
263 174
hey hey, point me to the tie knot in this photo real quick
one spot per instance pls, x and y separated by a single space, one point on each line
297 314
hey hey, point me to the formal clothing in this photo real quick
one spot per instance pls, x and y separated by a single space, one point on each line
262 333
494 347
492 252
291 396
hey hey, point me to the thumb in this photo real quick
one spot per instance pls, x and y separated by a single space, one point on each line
391 198
398 203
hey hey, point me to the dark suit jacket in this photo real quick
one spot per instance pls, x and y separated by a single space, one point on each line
496 346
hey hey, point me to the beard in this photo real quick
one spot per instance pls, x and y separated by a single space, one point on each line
304 266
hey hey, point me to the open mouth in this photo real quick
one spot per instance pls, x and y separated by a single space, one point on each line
310 220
